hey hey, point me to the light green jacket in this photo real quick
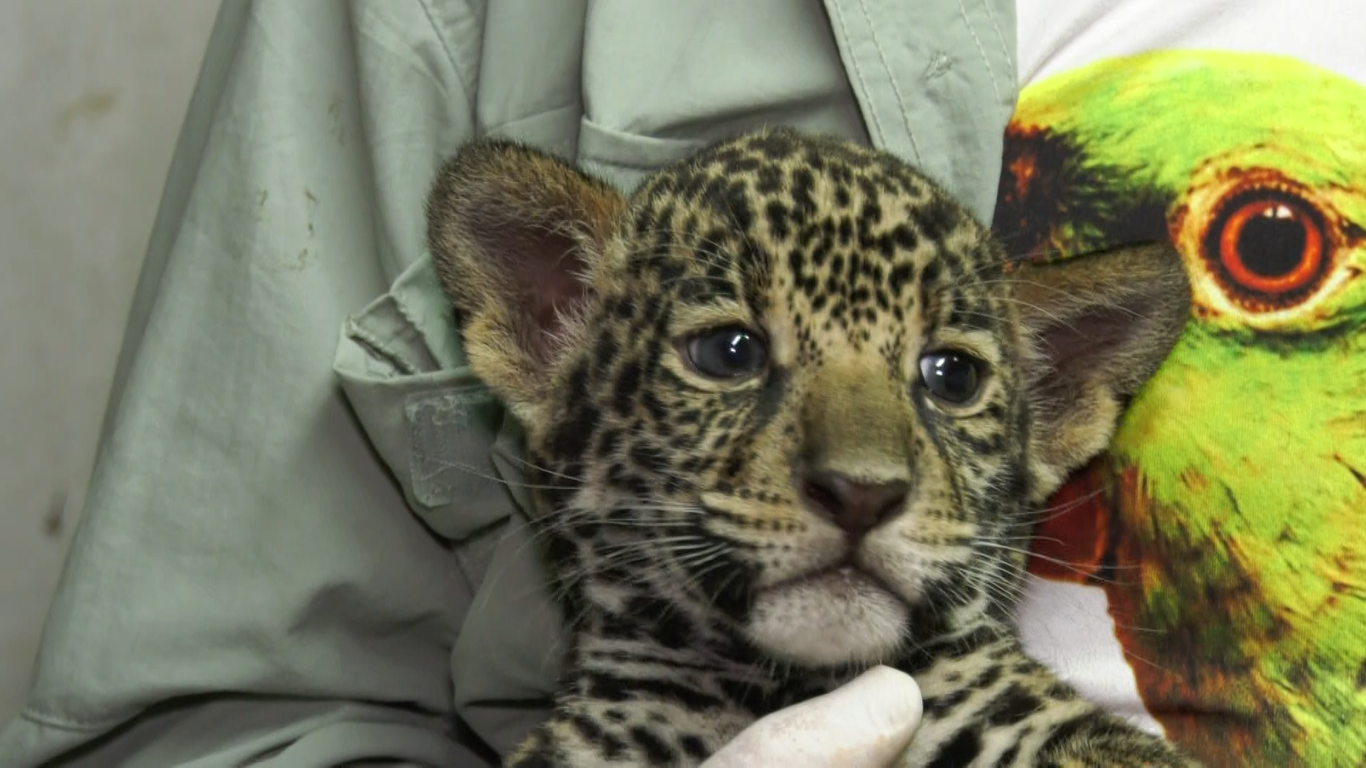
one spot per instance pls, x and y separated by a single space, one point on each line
304 542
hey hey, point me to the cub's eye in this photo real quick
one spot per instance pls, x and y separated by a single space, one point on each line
954 377
726 353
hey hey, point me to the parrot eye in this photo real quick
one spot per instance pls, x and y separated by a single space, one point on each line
1268 248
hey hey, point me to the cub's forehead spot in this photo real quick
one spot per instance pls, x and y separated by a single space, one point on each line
834 238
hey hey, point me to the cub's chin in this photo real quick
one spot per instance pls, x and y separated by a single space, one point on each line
833 618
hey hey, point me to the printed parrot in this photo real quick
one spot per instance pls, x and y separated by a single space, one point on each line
1227 524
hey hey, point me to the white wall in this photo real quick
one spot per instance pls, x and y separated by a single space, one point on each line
91 99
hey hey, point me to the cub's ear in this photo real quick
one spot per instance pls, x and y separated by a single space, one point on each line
514 235
1096 327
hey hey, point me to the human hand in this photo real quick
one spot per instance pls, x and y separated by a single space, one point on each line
867 722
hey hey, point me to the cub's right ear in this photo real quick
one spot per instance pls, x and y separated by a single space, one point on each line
514 235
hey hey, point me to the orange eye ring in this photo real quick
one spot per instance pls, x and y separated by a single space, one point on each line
1267 247
1231 254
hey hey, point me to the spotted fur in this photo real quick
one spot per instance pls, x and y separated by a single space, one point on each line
707 580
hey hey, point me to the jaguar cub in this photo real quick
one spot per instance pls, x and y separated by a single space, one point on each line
792 415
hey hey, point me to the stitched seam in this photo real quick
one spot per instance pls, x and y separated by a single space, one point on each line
408 318
50 720
858 73
981 51
896 89
367 339
1005 48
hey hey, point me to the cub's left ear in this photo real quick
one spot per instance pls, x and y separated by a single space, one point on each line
1096 328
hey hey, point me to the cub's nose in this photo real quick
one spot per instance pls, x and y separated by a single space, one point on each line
855 506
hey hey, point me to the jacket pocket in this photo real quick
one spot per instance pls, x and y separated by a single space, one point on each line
432 421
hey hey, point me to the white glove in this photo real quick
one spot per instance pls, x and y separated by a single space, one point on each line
867 723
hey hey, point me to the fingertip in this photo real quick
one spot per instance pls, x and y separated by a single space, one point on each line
868 721
893 692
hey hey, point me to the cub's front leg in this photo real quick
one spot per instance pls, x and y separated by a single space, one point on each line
993 705
591 733
1102 739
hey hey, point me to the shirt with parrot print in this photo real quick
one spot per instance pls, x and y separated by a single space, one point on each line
1207 577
